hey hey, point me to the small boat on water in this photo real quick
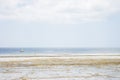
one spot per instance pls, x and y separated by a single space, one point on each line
21 50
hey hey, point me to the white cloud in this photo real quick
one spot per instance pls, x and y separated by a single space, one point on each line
58 11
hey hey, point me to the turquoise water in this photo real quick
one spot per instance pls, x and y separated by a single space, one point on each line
58 50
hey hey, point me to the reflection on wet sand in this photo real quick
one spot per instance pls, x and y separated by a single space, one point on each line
64 68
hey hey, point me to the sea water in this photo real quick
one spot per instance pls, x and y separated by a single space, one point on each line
58 50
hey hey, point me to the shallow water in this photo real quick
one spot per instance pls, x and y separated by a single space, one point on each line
61 72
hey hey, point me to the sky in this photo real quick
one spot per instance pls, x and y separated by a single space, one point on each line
60 23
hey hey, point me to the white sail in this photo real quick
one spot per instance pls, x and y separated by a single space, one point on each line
21 50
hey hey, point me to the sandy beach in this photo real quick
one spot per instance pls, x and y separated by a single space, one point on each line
63 67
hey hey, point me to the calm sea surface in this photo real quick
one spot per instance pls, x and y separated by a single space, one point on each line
58 50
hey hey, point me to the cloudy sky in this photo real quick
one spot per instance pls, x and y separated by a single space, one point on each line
60 23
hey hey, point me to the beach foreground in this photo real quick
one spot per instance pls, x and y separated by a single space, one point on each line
84 67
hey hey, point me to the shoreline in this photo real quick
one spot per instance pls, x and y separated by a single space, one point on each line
58 54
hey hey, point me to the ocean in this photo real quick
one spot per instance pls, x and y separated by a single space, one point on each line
58 50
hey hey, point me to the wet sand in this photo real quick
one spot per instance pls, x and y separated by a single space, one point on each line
85 67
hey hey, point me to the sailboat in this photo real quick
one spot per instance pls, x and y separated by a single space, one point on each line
21 50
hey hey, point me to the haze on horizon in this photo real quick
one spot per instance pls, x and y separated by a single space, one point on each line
60 23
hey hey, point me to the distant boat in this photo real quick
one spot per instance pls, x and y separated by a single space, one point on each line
21 50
